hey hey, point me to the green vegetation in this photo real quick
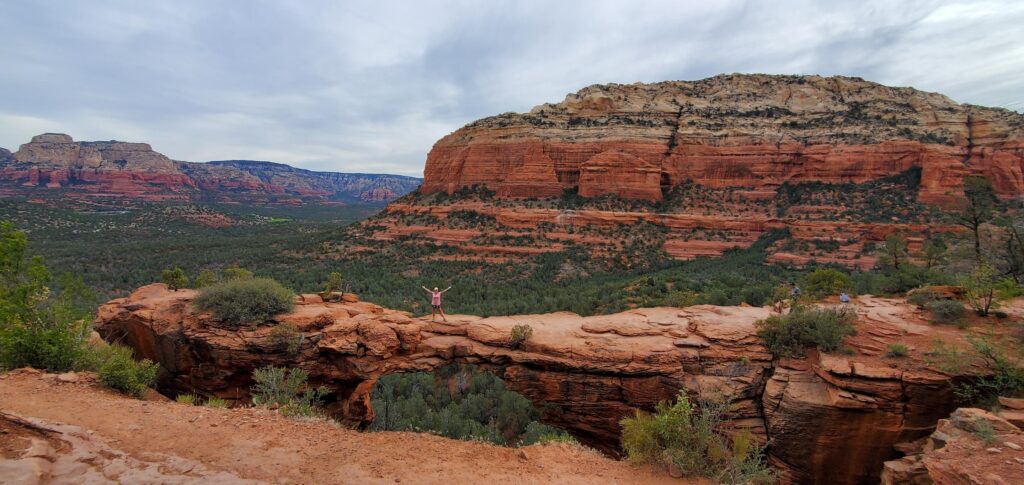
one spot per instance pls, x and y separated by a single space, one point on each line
519 335
897 350
48 329
333 282
119 245
981 289
186 399
1005 376
461 402
923 296
287 390
216 402
984 431
119 370
824 282
205 278
235 273
788 335
239 301
690 441
286 338
175 279
946 311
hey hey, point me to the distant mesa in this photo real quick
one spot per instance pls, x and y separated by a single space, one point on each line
755 131
134 170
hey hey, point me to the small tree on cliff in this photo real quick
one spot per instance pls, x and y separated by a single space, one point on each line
933 253
895 250
977 208
333 282
175 279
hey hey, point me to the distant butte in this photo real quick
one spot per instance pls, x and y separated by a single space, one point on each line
134 170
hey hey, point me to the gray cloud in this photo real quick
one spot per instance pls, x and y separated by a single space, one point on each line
369 86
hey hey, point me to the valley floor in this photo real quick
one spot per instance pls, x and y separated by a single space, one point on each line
78 431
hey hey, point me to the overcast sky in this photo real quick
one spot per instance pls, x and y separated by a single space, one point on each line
369 86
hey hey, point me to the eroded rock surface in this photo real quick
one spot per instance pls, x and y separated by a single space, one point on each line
972 446
827 415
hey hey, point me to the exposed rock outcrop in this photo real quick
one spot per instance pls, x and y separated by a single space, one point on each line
113 168
755 131
972 447
711 165
824 416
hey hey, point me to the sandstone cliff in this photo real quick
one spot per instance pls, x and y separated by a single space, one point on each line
756 131
706 166
134 170
825 416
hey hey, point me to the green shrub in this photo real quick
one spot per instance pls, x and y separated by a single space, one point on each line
205 278
689 440
897 350
540 433
188 399
333 282
1005 376
241 301
948 358
287 389
946 311
788 335
923 296
236 273
175 279
119 370
824 282
43 323
286 338
519 335
985 431
216 402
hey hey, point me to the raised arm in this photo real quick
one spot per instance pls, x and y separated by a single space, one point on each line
446 289
425 289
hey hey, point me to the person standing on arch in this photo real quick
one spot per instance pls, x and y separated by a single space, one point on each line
435 302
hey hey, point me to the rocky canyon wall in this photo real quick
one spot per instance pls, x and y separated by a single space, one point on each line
756 131
826 417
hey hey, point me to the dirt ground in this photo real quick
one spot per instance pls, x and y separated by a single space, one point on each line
77 432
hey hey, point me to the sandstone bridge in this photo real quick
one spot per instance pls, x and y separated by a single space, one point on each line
826 418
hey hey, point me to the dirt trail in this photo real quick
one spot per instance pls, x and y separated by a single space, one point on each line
256 444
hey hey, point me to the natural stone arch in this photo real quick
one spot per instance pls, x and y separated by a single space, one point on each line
595 369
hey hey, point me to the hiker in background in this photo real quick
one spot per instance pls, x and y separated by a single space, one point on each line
435 302
794 297
844 297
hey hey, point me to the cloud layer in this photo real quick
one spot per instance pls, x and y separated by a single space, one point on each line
369 86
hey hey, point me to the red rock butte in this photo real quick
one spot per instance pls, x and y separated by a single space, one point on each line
758 131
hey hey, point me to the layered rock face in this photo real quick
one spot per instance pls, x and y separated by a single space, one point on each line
134 170
755 131
827 418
